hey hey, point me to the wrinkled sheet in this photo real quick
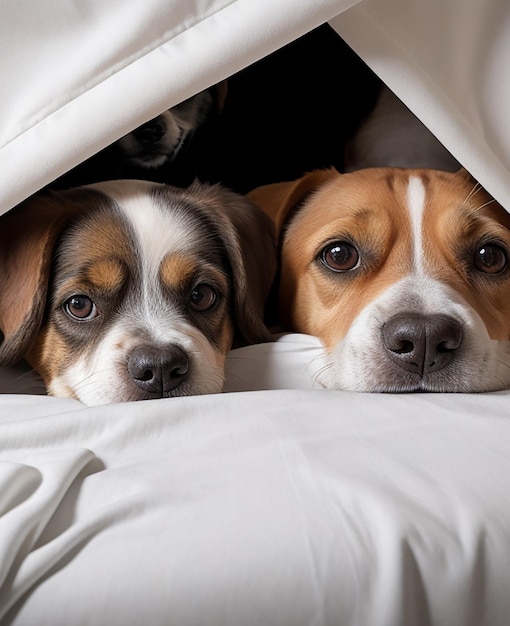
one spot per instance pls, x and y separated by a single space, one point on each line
289 507
76 76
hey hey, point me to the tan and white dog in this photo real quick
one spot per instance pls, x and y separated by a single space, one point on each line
131 290
403 275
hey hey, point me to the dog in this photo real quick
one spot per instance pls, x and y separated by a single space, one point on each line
403 275
131 290
161 139
155 150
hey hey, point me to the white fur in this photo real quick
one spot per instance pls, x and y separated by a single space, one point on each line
102 377
416 206
156 235
358 362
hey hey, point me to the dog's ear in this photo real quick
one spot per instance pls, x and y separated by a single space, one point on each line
249 237
279 199
28 234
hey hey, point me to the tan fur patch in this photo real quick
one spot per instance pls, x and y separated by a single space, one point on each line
180 271
106 274
95 256
224 341
49 355
85 264
177 270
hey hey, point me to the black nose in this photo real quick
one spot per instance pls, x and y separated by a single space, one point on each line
152 132
422 343
158 370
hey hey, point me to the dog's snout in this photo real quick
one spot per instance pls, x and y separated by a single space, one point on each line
158 371
422 343
151 132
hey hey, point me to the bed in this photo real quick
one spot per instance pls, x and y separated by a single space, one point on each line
274 503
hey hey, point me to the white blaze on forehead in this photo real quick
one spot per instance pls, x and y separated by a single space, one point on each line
158 231
416 207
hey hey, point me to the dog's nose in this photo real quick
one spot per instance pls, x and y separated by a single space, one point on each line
422 343
156 370
152 132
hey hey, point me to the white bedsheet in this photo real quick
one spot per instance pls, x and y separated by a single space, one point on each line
343 510
264 507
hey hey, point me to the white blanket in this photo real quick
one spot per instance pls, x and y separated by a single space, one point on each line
343 510
264 507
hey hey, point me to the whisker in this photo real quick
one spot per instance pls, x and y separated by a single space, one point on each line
237 378
317 357
504 363
476 188
233 359
485 204
232 375
27 382
320 372
25 374
501 382
88 379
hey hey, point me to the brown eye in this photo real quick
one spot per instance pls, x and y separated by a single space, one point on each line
203 297
490 258
80 308
340 256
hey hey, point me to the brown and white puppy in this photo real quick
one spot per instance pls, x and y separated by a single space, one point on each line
404 276
131 290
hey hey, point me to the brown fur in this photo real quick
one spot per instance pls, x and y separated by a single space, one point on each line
28 235
251 245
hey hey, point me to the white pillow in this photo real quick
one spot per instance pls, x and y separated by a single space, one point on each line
290 362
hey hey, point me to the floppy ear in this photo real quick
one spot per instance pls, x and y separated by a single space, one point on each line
279 199
28 234
249 239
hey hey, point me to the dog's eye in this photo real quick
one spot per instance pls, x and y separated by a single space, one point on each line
490 258
340 256
80 308
203 297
